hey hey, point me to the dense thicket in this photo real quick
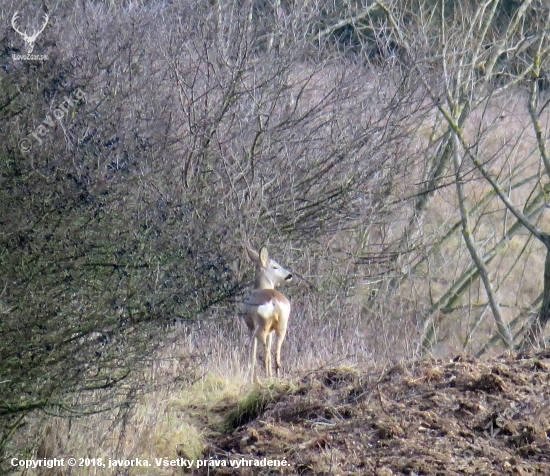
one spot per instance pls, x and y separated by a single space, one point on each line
139 158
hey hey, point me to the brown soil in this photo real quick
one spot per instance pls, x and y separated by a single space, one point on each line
460 417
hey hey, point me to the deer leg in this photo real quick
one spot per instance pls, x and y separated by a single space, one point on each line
261 337
281 333
254 345
268 369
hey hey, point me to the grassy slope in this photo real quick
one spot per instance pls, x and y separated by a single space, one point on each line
432 417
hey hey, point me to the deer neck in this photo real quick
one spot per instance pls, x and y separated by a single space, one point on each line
263 282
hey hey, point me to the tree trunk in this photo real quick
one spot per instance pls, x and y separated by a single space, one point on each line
533 337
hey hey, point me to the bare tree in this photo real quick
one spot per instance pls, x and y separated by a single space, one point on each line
484 58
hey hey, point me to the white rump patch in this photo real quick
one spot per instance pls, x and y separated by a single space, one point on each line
266 310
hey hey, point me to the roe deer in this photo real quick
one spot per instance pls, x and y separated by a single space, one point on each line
265 309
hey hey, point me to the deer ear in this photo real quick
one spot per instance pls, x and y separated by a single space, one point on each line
252 254
264 258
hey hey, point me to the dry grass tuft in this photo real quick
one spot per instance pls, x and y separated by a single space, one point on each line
255 403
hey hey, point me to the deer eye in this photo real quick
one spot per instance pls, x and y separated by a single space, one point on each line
275 267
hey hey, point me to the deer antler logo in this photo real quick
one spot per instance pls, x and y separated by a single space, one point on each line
29 39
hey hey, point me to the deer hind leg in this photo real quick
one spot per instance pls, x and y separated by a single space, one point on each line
281 333
254 346
268 369
261 336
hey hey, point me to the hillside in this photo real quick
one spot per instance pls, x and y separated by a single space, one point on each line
426 418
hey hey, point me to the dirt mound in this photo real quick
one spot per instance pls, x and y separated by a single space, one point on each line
425 418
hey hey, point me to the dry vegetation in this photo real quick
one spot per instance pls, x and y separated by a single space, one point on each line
458 417
393 156
433 417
